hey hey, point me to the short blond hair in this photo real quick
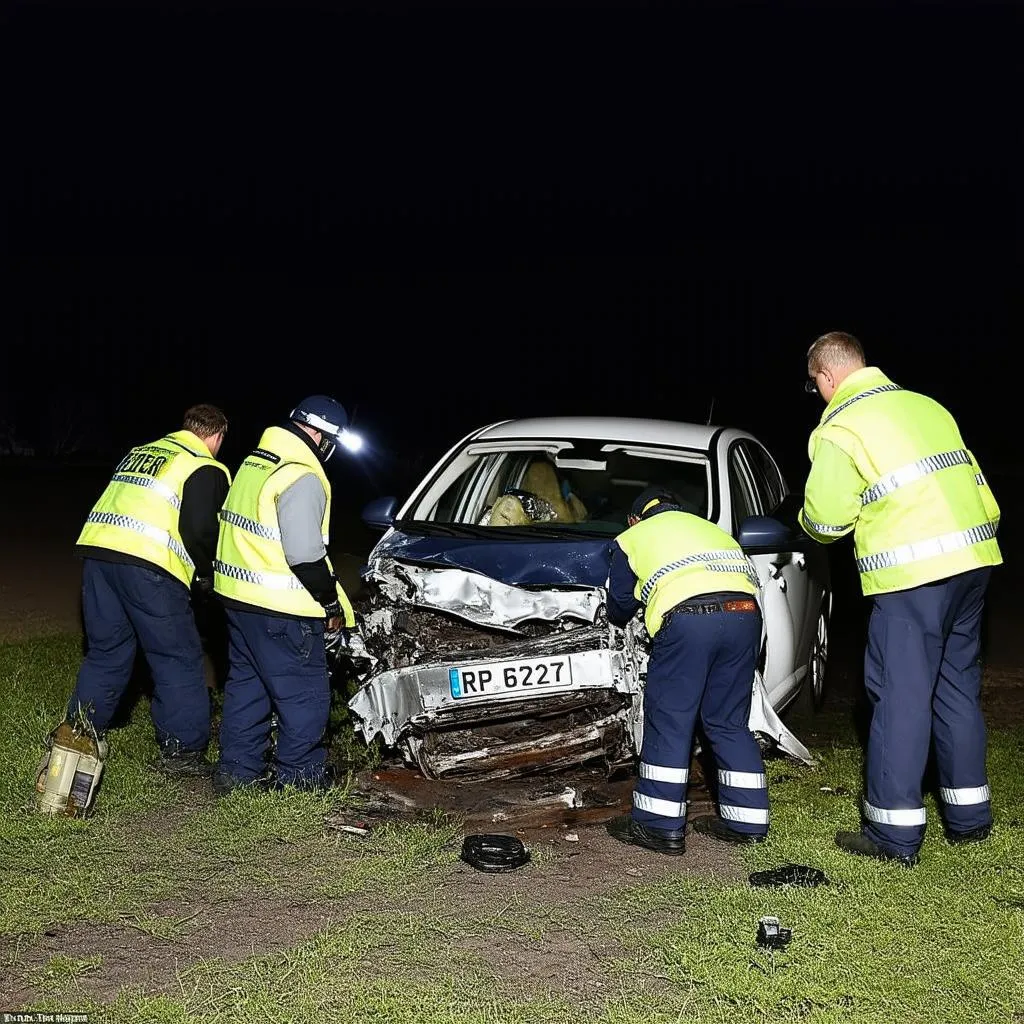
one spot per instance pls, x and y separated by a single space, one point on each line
834 351
205 420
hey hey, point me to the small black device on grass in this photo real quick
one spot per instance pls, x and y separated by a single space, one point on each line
771 934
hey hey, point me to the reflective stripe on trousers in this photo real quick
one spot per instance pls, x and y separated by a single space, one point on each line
673 781
898 817
967 796
662 808
659 773
743 797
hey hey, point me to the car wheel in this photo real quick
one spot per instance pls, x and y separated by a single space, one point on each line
817 663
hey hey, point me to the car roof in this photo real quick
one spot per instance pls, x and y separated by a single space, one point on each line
606 428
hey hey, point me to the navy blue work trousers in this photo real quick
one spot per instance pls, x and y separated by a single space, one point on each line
129 606
702 665
922 672
276 664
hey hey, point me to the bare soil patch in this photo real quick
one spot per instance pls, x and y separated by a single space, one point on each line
528 925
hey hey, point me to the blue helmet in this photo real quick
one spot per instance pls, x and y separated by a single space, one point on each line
329 417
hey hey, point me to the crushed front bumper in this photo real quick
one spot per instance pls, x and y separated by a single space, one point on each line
507 732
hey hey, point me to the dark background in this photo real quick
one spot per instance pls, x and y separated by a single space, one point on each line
445 216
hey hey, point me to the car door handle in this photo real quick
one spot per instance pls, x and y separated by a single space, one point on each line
775 571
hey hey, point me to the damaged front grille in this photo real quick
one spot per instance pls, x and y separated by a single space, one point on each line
399 637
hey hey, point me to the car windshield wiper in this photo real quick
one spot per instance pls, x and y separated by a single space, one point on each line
546 532
440 529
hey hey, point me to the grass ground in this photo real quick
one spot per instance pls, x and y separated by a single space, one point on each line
169 906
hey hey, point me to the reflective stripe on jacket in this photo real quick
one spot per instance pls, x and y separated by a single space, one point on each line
676 556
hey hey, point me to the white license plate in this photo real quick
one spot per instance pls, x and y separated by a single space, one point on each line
503 678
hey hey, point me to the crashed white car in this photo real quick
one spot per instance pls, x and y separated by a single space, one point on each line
491 652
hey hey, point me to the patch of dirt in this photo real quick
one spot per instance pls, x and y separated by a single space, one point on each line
570 957
132 956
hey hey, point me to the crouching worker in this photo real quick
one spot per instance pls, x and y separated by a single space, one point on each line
278 585
697 589
148 547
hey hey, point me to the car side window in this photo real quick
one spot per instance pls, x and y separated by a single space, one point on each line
766 475
444 510
742 491
466 498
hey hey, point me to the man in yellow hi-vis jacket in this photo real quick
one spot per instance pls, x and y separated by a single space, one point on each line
890 465
697 589
148 545
273 574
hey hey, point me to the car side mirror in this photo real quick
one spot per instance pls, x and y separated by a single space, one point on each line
764 533
379 514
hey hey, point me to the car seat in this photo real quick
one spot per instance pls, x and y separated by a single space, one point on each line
542 479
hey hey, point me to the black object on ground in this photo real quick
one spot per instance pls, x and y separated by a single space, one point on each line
789 874
771 934
488 852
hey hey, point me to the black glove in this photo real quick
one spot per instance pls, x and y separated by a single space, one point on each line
202 587
333 628
347 641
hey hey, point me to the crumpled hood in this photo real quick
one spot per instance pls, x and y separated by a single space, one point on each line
577 562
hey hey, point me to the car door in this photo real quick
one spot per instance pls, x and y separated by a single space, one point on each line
773 489
752 493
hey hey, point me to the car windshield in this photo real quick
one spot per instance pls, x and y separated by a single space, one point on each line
562 486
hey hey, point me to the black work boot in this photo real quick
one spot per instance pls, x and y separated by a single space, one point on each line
178 763
864 846
668 841
713 826
329 778
225 783
975 835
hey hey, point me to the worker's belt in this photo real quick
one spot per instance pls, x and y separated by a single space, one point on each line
691 607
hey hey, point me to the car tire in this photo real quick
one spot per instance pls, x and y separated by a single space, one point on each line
812 693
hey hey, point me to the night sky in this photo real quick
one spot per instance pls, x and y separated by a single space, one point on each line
445 216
